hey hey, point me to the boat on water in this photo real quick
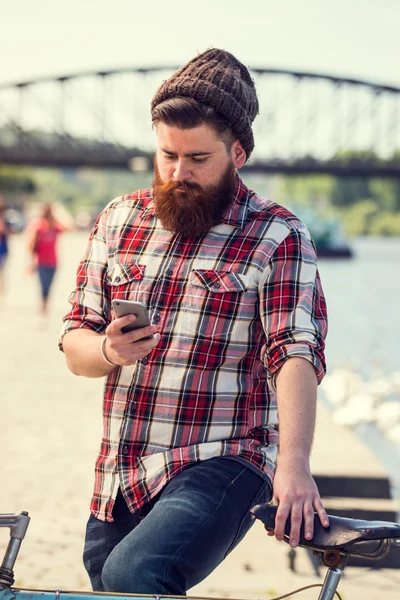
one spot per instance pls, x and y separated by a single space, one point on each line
331 250
327 234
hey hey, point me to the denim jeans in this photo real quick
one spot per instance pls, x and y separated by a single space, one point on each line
46 276
181 536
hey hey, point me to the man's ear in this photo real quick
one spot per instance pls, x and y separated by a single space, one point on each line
238 154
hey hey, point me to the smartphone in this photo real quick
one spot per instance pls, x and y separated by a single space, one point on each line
129 307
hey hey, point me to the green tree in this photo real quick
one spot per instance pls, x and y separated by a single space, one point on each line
349 190
357 219
385 224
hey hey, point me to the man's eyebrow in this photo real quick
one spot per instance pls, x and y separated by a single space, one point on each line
190 154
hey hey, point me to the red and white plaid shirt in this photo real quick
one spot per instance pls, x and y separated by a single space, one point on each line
232 306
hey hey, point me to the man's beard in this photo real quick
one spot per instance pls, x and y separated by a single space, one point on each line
195 210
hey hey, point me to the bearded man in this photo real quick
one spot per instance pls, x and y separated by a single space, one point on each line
238 321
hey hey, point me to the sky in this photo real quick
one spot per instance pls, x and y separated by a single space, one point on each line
354 38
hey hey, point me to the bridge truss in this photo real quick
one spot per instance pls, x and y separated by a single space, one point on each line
308 122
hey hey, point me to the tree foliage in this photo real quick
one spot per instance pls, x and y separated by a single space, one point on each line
365 206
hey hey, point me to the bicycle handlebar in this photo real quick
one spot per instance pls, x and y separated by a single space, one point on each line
18 525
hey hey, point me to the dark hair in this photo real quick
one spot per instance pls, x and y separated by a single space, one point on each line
186 113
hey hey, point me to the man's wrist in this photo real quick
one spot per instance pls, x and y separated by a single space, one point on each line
103 352
292 459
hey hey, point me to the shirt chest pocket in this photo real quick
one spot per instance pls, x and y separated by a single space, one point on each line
215 304
126 281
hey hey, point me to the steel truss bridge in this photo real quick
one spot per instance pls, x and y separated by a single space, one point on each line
308 122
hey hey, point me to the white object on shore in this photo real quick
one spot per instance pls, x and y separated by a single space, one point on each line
393 434
388 415
341 384
359 409
354 400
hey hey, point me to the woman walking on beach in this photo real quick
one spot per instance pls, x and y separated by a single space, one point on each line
42 244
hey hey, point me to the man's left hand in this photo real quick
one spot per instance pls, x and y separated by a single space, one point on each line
297 497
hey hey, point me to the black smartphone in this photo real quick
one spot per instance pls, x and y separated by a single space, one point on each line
130 307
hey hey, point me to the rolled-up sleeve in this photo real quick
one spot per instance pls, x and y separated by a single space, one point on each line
90 302
293 307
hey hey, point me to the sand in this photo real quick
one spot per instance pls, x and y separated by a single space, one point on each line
50 434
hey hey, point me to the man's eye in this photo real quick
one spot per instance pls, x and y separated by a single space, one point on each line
198 160
170 157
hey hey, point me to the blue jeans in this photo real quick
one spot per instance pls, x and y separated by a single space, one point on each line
178 538
46 276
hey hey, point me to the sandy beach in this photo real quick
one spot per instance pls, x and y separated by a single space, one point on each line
50 433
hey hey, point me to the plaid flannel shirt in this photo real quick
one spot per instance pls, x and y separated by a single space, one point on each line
232 307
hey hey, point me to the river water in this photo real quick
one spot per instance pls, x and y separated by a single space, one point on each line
363 298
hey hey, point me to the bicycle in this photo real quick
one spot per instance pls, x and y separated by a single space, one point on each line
335 545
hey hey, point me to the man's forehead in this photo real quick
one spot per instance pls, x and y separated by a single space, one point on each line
195 140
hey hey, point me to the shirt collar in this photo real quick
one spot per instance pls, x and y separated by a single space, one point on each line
236 215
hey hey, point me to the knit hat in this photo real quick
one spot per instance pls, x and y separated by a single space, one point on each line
215 77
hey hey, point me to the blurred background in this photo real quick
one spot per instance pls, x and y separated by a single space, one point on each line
76 81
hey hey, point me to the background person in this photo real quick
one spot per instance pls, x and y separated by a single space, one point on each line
43 234
4 233
191 433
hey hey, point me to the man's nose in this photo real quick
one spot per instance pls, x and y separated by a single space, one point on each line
182 171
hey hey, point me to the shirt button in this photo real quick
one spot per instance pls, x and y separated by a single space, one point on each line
169 272
125 450
157 318
217 286
144 360
118 279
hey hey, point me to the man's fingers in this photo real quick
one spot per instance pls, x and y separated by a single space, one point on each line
280 520
114 328
296 519
139 335
308 511
127 348
300 515
319 509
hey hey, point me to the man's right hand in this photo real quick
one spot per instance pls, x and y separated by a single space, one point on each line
82 347
125 349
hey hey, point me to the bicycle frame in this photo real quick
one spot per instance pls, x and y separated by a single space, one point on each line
18 524
21 594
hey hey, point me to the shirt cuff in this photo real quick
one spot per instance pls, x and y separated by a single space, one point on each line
275 362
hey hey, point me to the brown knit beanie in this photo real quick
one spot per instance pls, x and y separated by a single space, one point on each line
215 77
